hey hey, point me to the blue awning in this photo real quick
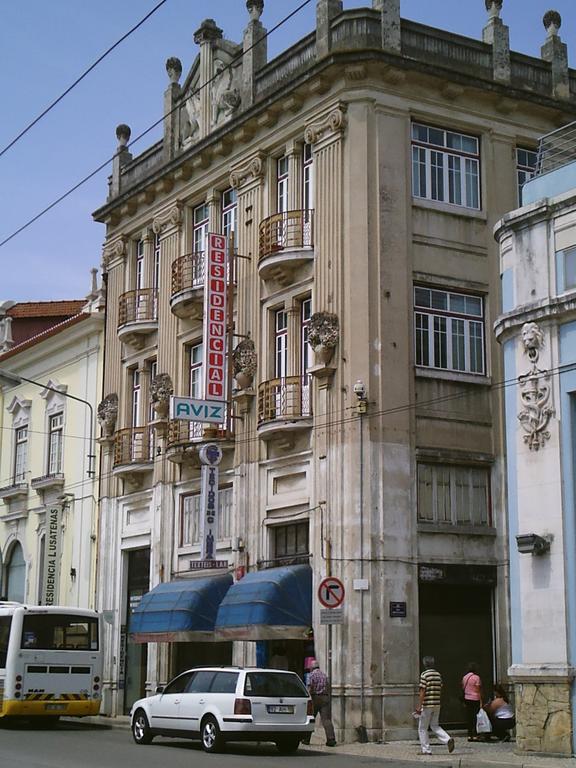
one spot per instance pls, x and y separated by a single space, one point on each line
266 605
179 611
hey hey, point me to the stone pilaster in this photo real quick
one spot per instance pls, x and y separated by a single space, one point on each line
326 10
171 114
556 52
496 34
390 10
121 158
255 50
204 37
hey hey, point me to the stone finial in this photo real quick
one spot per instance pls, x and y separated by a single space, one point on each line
123 134
6 339
494 7
255 8
552 22
207 32
174 68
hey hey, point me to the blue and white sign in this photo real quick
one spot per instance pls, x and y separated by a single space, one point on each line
194 409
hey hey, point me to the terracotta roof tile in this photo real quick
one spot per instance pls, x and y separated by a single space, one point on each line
47 308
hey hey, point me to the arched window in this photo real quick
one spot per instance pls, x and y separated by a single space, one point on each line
15 575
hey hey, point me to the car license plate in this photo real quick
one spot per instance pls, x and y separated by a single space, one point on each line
280 709
55 707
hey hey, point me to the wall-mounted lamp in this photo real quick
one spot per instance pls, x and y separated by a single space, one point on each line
360 392
73 574
532 544
239 544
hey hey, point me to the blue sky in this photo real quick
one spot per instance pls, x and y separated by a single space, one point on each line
46 45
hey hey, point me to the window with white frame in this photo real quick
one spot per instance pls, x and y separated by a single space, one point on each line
305 349
55 443
526 160
282 176
454 494
445 166
136 397
139 279
190 517
20 453
280 343
449 330
307 178
229 206
200 228
157 250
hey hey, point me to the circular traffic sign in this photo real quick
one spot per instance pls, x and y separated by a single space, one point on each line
331 592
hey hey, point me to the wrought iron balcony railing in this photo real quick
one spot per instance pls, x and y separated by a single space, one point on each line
134 445
183 432
188 272
285 398
139 306
283 231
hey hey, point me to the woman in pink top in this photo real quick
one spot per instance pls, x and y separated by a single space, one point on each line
472 688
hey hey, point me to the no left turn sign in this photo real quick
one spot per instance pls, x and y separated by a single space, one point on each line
331 592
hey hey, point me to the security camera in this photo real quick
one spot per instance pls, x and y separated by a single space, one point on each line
532 544
360 390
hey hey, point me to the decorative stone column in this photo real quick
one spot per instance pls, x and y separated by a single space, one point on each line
121 158
255 50
171 114
496 34
556 52
207 33
391 26
326 10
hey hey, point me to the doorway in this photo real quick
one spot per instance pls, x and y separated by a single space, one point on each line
136 653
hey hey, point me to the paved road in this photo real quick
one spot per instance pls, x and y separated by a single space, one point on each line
76 745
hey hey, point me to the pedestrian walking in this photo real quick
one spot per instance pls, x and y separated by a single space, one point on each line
319 688
472 692
429 707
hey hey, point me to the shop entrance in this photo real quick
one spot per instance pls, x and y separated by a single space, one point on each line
456 628
136 655
188 655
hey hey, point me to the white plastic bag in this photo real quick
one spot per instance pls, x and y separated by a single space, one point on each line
483 724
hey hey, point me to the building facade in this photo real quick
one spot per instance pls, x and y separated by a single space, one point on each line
536 330
358 177
50 382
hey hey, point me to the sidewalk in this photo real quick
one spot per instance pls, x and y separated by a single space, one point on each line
406 754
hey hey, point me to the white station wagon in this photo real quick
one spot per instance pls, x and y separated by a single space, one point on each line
220 704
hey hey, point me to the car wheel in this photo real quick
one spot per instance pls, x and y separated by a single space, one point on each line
287 745
210 735
140 728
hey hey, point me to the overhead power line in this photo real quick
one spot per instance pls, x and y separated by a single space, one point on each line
103 165
79 79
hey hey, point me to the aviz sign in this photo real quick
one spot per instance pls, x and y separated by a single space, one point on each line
215 317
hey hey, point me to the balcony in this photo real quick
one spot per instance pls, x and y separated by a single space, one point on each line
133 451
18 490
137 316
284 406
286 243
187 295
48 482
185 437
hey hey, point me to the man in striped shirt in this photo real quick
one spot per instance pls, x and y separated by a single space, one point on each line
429 707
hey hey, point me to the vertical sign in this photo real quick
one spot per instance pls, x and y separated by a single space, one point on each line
210 456
52 544
215 318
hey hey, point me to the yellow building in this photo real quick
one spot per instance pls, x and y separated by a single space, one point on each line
360 173
50 379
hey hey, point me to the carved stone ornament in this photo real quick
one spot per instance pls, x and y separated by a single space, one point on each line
115 250
123 134
174 68
244 363
170 218
494 7
254 169
323 335
225 96
552 22
107 414
535 392
161 389
255 8
333 123
193 108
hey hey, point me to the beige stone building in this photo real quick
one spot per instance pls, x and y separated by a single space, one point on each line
361 173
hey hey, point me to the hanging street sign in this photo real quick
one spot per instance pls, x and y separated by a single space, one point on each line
194 409
331 592
215 317
210 456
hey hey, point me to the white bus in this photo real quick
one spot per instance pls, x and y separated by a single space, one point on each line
50 662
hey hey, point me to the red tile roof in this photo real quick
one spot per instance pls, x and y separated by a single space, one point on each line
46 308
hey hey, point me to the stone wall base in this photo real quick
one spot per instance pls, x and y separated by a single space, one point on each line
543 711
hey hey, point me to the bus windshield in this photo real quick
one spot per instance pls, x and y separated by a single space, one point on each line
55 631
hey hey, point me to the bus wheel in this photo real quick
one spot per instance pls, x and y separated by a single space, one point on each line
140 728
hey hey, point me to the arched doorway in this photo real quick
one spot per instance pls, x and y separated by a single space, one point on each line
15 575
